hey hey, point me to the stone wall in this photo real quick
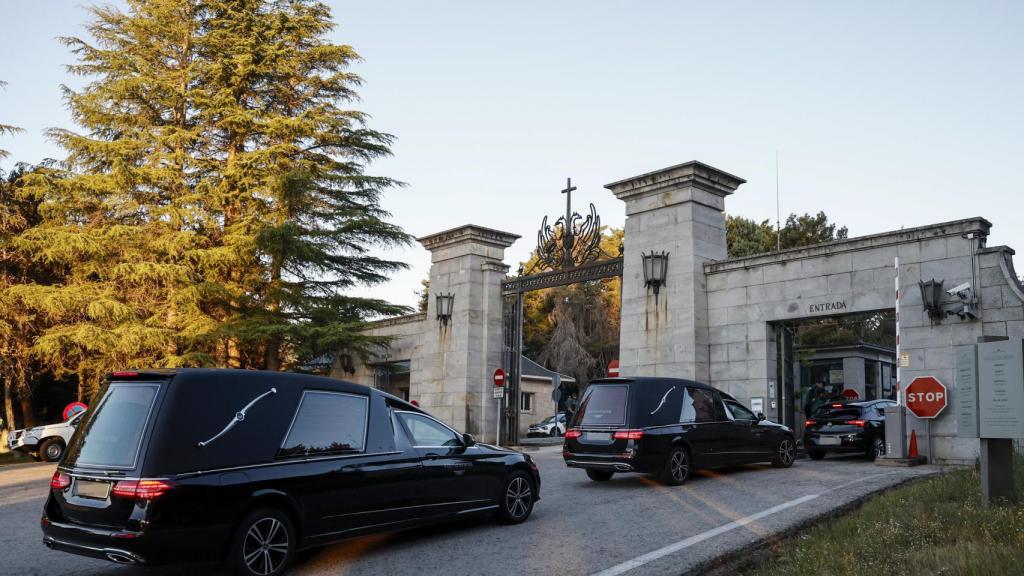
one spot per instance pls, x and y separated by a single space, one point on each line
746 296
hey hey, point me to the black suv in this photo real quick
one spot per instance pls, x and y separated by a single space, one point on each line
668 426
847 427
252 466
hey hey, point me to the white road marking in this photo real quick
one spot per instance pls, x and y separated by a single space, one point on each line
692 540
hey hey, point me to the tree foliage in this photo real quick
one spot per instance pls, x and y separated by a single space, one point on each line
214 207
745 237
574 329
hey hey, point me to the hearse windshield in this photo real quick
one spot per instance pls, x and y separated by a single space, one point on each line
604 405
112 436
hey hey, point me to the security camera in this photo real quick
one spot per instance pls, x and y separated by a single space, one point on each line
960 290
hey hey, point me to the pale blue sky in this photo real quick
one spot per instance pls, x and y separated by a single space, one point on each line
885 114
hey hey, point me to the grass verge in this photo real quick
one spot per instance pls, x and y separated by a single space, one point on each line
933 526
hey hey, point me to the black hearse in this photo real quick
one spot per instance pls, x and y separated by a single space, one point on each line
668 426
251 466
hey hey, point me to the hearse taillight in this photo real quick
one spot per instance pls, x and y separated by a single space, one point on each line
142 489
628 434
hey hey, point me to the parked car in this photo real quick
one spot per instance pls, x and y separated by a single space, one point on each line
548 427
847 427
668 427
44 442
182 465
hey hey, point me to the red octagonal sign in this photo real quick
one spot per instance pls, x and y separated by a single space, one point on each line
926 397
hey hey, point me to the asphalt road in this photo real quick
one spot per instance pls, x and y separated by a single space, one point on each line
631 525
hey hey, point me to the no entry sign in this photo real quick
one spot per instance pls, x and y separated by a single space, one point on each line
499 377
926 397
613 369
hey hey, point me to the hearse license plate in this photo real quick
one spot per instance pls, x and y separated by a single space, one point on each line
597 436
829 441
92 489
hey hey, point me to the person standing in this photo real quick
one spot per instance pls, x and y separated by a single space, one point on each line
811 398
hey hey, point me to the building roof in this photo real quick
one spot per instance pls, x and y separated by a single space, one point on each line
535 371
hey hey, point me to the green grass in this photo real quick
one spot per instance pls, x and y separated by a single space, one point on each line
932 526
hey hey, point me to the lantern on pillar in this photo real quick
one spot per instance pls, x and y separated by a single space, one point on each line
655 271
445 304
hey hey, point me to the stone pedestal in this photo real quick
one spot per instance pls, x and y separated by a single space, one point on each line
454 376
678 210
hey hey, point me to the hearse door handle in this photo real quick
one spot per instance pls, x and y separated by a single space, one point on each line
431 456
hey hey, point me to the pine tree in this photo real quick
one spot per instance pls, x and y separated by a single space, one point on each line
214 207
123 212
299 208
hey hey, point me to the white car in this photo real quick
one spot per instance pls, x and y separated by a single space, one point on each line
547 427
44 442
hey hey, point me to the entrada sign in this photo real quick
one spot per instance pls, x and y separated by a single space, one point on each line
828 307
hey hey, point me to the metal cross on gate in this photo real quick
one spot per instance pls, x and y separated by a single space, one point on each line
568 229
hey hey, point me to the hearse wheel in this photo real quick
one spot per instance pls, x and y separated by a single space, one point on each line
51 450
516 498
600 475
263 545
677 467
785 454
815 454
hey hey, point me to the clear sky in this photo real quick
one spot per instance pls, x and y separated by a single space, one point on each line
884 114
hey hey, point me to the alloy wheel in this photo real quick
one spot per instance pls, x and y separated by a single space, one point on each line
878 448
53 452
679 466
266 546
518 497
787 452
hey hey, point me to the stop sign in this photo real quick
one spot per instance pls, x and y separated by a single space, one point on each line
926 397
613 369
499 377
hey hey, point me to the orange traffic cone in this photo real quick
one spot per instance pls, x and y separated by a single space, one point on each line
913 444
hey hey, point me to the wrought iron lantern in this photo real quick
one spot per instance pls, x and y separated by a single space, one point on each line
931 297
655 270
445 304
346 363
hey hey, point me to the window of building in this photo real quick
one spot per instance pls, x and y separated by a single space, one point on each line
327 422
526 402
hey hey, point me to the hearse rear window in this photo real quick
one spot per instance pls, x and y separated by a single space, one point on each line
327 423
111 438
604 406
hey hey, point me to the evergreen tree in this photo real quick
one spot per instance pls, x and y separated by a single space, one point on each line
744 237
298 206
214 207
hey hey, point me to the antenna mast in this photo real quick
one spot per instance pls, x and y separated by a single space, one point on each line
778 208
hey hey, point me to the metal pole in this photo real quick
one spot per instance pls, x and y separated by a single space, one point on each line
497 425
899 372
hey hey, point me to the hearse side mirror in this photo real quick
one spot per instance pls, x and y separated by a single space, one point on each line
761 417
468 440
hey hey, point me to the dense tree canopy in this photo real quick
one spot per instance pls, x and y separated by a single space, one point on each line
214 206
745 237
575 329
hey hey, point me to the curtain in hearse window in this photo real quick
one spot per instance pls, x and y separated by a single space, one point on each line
327 423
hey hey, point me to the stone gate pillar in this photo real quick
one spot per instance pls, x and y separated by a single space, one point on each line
678 210
458 360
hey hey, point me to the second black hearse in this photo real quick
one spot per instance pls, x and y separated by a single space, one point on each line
668 427
175 465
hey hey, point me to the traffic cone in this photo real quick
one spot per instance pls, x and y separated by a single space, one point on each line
913 445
